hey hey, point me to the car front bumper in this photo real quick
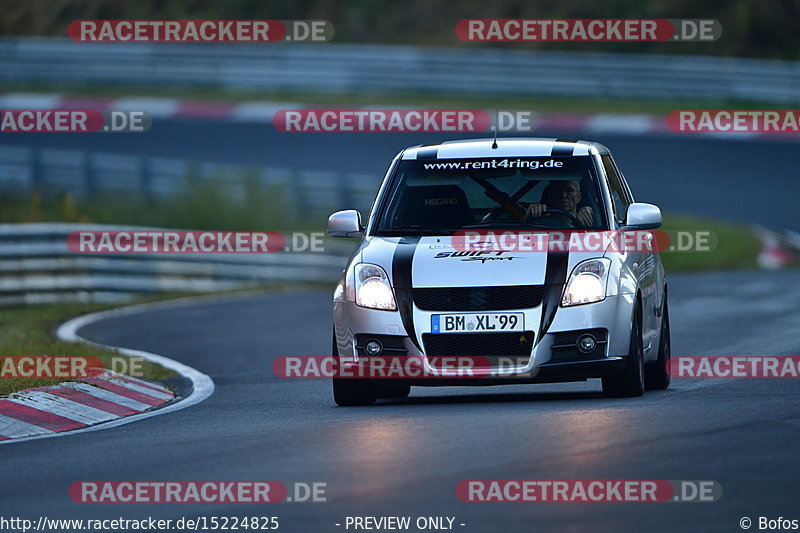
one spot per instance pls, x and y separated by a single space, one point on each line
612 316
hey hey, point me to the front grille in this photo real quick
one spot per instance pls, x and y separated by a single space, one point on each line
493 348
478 298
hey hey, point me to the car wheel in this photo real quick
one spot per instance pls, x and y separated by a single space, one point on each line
629 382
394 392
656 375
352 392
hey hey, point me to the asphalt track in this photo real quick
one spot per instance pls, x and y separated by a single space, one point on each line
406 457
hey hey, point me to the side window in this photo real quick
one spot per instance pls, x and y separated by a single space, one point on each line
619 195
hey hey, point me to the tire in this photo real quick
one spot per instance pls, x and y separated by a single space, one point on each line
630 381
656 375
352 392
394 392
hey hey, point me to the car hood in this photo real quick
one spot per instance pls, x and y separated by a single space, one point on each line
435 262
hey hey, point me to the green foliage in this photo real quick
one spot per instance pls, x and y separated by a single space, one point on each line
199 203
750 28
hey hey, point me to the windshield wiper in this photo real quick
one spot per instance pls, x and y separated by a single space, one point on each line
506 225
413 229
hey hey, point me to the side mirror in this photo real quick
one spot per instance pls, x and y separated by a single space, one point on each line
345 224
642 216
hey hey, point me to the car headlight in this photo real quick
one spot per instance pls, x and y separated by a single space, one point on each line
372 288
587 283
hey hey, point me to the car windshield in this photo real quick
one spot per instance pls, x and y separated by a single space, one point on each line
440 197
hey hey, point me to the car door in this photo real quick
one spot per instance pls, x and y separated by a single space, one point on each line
642 263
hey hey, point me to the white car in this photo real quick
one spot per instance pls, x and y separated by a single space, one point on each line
412 289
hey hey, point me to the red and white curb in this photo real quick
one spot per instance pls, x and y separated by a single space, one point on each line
157 107
261 111
103 402
778 248
75 405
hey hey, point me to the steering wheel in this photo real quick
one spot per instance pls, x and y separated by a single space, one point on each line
496 213
573 218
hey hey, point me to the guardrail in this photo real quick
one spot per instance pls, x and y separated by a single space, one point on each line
363 69
37 267
85 174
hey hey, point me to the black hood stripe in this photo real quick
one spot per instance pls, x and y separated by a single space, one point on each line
428 151
556 270
555 277
563 147
401 280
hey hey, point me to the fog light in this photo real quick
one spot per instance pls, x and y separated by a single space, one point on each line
373 347
587 344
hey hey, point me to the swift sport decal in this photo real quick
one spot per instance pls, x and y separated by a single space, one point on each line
477 256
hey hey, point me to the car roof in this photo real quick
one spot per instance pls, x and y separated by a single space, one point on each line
506 147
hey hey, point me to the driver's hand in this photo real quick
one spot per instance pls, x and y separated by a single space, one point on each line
586 216
534 211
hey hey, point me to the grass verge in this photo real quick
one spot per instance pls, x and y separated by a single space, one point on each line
29 331
732 246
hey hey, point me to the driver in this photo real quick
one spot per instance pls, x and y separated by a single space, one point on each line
563 195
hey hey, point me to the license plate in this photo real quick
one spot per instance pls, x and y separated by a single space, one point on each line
477 322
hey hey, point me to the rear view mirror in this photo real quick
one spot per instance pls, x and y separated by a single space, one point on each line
345 224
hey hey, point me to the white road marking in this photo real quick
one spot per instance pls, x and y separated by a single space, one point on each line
13 428
156 107
260 111
29 101
61 407
150 384
136 388
109 396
